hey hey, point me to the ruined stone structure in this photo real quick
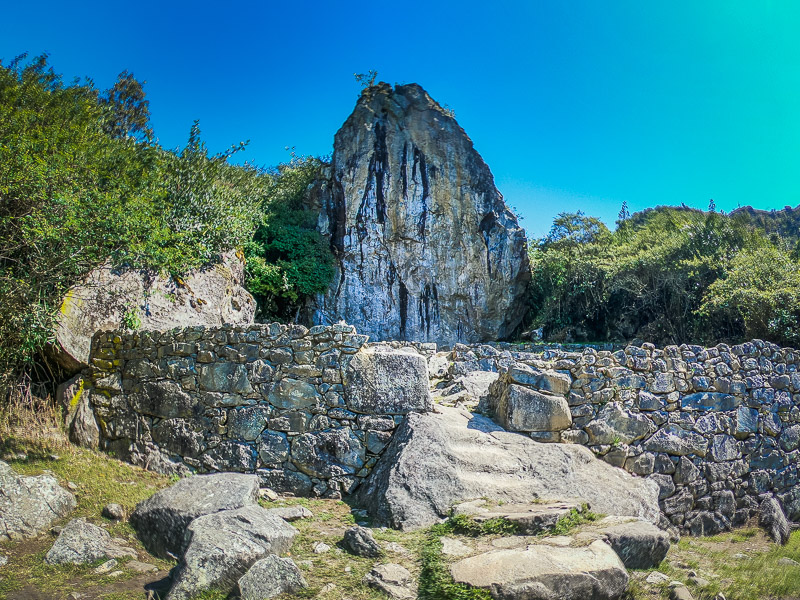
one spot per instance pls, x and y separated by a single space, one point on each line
309 411
718 429
426 248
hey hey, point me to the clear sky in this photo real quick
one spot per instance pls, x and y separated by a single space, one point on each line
575 105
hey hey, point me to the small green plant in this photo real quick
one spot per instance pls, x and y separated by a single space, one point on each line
574 519
435 582
465 525
132 318
616 441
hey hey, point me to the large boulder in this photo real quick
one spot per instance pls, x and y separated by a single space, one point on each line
638 543
544 572
436 460
161 520
211 296
426 248
221 547
30 504
774 521
270 577
81 542
380 380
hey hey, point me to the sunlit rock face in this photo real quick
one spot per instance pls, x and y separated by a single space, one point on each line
427 249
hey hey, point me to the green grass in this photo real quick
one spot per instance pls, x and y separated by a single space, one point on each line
435 581
466 525
574 519
99 480
757 577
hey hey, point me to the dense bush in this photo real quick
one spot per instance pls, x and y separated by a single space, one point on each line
80 181
667 275
288 260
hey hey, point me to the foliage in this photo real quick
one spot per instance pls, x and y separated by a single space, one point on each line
574 519
366 80
466 525
435 582
79 183
660 276
288 260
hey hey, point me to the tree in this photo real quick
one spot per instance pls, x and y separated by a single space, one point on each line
128 110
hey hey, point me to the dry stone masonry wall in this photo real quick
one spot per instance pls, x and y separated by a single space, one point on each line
309 411
717 428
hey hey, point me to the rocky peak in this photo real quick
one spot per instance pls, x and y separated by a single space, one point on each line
427 248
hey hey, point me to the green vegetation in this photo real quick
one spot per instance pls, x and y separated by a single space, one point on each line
82 182
287 259
435 581
755 573
466 525
667 275
574 519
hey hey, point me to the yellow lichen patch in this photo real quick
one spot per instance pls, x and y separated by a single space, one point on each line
76 398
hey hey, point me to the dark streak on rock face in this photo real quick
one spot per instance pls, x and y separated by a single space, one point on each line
403 308
419 160
487 224
413 204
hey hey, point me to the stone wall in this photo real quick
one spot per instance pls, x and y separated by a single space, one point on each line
717 428
309 411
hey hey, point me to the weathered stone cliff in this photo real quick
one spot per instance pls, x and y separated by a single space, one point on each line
427 249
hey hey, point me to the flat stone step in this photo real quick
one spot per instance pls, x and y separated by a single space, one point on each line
545 571
530 518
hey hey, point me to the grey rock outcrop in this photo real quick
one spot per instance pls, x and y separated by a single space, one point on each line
221 547
386 381
210 296
29 504
774 522
393 580
161 520
438 460
81 542
545 572
426 248
638 543
359 541
270 577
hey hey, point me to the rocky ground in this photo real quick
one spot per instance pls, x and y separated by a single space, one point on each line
329 549
741 564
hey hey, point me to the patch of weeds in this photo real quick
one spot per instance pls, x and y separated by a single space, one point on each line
435 582
574 519
466 525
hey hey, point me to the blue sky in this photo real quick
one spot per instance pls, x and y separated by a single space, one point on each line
575 105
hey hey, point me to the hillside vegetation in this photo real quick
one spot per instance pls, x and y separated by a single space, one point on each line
82 180
667 275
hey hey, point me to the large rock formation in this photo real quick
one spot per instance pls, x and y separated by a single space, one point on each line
437 460
107 298
427 249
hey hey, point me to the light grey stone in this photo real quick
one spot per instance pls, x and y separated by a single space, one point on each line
404 179
774 522
361 542
80 542
674 440
161 520
523 409
328 453
222 546
99 302
543 571
385 381
467 456
393 580
638 543
30 504
270 577
615 424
